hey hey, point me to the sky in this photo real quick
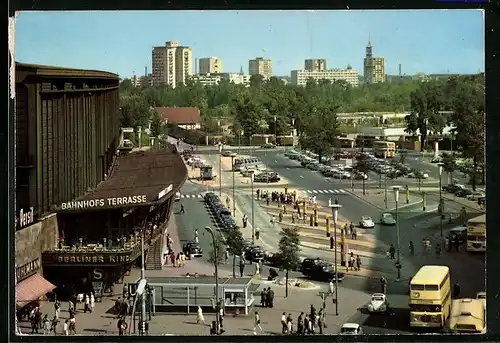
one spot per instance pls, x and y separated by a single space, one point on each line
430 41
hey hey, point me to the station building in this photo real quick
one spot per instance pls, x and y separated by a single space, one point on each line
81 201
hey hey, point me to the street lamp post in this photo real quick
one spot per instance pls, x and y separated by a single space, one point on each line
335 211
441 202
385 181
211 232
234 202
220 169
253 218
239 141
275 132
398 262
293 132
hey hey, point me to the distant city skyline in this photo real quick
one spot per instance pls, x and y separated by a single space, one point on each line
431 42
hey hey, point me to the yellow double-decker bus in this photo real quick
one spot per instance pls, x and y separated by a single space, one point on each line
467 316
430 297
384 149
476 234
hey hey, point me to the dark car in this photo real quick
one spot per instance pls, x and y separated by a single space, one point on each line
309 263
452 188
254 253
323 271
192 249
463 193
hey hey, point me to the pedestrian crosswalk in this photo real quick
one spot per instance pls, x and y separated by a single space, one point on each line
325 191
191 196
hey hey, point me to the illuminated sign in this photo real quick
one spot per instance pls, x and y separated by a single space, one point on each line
27 269
97 259
96 203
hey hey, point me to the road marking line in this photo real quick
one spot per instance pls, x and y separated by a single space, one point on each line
188 196
307 191
320 191
200 196
342 190
301 177
314 191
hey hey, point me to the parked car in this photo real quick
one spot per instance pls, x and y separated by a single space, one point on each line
268 146
254 253
378 303
366 222
387 219
452 188
228 153
351 329
309 263
463 193
320 270
436 159
475 195
192 249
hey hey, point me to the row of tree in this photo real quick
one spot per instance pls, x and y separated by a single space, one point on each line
275 107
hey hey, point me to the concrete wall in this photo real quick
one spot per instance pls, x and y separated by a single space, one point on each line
32 240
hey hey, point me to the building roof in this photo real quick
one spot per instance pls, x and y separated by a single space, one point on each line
180 115
137 179
55 71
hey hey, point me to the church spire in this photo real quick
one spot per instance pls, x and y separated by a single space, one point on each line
241 70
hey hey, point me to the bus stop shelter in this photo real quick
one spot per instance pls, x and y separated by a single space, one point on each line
173 294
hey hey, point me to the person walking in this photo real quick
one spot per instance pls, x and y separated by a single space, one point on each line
300 324
256 320
354 234
270 297
411 247
53 327
351 228
273 221
242 266
392 251
289 324
321 321
182 209
86 306
92 302
66 327
284 327
332 242
72 326
200 319
263 298
46 324
383 283
358 262
330 287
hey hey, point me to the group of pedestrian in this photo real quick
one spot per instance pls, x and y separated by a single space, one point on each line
354 262
267 298
176 260
309 324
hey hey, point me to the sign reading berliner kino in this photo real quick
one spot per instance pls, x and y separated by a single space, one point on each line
106 202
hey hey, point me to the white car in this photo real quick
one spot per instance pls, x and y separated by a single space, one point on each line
366 222
177 196
351 329
482 296
387 219
378 303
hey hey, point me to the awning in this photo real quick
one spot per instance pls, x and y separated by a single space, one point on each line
32 289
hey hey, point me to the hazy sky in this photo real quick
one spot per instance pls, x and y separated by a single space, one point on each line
444 41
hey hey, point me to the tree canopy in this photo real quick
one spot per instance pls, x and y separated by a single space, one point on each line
289 247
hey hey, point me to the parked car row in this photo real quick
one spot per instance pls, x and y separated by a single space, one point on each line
327 167
392 168
462 191
222 215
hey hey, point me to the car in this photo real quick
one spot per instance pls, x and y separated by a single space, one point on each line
228 153
366 222
378 303
192 249
463 193
268 146
436 159
309 263
387 219
482 296
453 188
360 176
322 271
177 196
475 196
254 253
351 329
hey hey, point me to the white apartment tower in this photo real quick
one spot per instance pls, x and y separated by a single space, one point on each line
172 64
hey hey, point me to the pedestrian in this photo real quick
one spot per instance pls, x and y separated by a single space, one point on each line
92 302
383 283
270 297
312 317
392 251
354 234
284 208
284 327
66 327
293 218
273 220
267 200
226 255
305 218
388 255
310 326
263 298
172 258
280 216
53 327
353 263
330 287
289 324
46 325
351 228
57 309
300 324
256 320
332 242
321 321
257 269
200 319
411 247
86 306
72 325
257 233
182 209
358 262
258 193
242 266
307 329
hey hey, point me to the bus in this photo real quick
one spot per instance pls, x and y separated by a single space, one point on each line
467 316
384 149
476 234
245 161
430 297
